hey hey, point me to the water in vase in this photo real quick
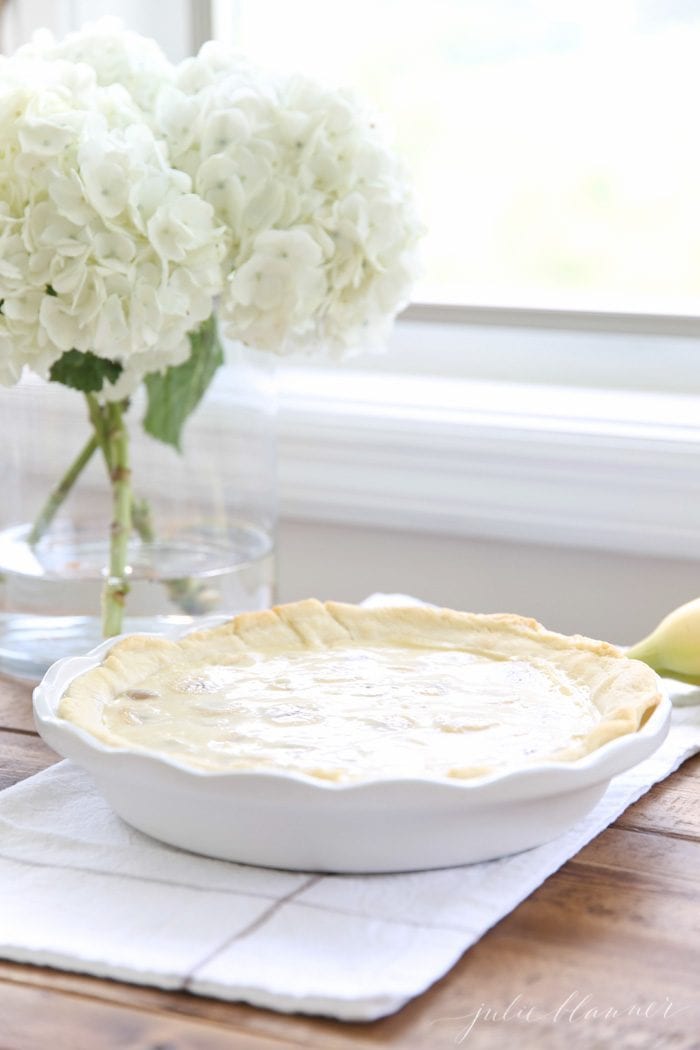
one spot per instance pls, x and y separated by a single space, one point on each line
50 592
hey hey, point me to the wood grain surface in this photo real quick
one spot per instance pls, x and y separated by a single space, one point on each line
606 954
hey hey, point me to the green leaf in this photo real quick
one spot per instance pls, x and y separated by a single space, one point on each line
174 394
84 371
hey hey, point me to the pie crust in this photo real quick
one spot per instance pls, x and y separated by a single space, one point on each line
346 693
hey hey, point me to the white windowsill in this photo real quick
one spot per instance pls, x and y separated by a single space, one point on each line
541 347
606 469
567 465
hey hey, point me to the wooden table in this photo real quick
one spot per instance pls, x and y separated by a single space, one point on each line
615 931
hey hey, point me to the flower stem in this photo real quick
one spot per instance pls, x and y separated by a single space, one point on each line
60 492
192 596
116 587
100 425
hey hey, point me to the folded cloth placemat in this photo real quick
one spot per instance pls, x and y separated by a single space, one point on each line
80 890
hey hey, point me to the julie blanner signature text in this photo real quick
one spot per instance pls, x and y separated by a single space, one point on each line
576 1008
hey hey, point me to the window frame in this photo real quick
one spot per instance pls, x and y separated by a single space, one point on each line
637 323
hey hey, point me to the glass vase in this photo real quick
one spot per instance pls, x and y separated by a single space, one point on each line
202 545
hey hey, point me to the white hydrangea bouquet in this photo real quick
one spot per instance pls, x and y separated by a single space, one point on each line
136 195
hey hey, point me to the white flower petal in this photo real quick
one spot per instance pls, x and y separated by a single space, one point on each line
59 322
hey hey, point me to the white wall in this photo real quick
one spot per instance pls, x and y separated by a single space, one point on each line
613 596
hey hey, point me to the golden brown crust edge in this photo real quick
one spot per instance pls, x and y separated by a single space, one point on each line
625 691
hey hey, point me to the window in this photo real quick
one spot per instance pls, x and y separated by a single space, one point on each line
551 143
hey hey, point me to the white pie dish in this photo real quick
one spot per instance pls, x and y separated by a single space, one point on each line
294 821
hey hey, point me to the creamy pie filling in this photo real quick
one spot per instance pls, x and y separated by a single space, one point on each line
355 712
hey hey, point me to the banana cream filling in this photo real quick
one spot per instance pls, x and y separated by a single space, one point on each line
355 712
350 694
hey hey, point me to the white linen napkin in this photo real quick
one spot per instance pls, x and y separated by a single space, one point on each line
82 891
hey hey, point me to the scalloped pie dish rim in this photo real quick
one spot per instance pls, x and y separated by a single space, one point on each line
294 820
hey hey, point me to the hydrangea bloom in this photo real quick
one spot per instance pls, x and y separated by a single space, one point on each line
321 225
317 223
103 246
117 55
